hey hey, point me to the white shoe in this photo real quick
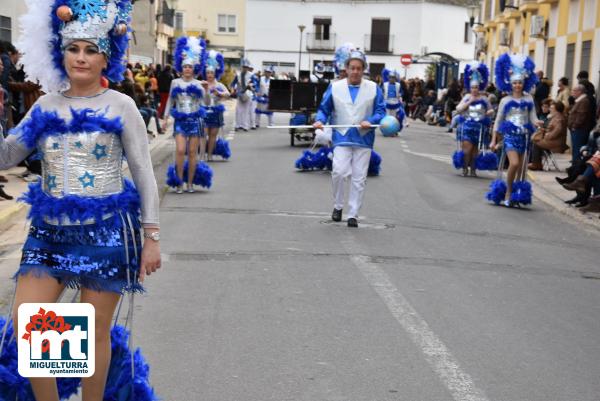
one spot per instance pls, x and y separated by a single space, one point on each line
191 189
179 190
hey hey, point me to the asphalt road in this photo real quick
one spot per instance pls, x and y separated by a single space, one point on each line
437 296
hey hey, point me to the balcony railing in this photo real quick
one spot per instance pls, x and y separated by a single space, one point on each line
379 44
317 41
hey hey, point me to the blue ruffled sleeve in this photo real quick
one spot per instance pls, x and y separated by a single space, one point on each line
378 108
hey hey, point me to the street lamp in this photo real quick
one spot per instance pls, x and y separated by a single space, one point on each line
301 28
474 14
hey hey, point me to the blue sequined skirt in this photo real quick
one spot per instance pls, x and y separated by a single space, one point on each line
101 257
516 138
214 119
189 126
471 131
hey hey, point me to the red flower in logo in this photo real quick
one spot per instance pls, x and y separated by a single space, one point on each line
45 321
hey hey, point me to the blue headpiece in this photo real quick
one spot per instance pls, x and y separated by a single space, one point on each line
51 25
358 55
246 63
270 69
515 67
342 54
387 74
476 73
214 62
190 50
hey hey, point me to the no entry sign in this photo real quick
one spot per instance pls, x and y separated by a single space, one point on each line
406 60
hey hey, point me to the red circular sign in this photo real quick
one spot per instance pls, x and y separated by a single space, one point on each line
406 60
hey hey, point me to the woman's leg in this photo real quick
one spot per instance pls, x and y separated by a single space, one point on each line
44 289
474 154
514 167
192 158
212 141
104 303
180 149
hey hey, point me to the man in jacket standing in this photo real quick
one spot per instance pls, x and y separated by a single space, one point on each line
579 120
351 101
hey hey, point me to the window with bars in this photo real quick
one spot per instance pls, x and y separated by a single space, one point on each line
227 23
468 34
586 55
179 21
550 62
5 28
570 61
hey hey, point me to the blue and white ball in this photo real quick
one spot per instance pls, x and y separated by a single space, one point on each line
389 126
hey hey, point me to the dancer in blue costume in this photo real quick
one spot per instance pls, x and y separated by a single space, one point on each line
351 101
185 104
215 93
515 122
392 92
85 217
474 121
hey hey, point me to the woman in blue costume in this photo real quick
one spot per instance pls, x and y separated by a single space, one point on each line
474 120
515 122
185 104
85 217
215 93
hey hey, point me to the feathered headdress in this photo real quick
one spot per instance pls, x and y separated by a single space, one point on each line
190 50
214 62
515 67
476 73
387 74
342 54
49 26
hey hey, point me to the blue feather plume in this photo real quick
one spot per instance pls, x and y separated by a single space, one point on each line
521 192
374 164
458 159
532 79
497 191
385 75
222 148
120 385
486 161
318 160
202 176
483 71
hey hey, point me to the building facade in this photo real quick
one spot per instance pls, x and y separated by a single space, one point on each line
152 23
10 10
561 36
221 23
384 29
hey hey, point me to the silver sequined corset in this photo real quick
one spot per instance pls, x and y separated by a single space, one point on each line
476 112
517 116
86 164
186 103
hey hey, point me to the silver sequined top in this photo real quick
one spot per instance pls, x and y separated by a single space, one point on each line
473 112
184 103
517 116
90 163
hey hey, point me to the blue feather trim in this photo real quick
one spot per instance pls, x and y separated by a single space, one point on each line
120 385
201 113
497 191
502 73
532 79
320 160
115 70
486 161
180 47
12 385
265 112
458 159
262 99
374 164
216 109
521 192
508 128
518 104
42 124
483 71
222 149
81 208
393 106
56 43
385 75
191 90
220 65
202 176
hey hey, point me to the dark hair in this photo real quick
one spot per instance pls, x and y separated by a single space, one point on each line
564 81
583 75
547 102
559 106
7 47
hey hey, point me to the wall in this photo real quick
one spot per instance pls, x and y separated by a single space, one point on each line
12 9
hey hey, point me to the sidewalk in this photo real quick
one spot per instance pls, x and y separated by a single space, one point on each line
551 192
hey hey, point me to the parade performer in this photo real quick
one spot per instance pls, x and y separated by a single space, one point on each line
185 104
392 92
515 122
474 121
262 96
85 217
215 93
243 90
339 59
351 101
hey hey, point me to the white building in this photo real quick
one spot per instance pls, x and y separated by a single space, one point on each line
10 10
384 29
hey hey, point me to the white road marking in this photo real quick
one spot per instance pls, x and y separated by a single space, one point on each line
445 365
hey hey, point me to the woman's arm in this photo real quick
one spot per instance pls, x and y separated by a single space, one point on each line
12 152
464 103
167 112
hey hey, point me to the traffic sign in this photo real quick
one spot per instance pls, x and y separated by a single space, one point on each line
406 59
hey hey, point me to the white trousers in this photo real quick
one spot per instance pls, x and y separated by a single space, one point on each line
243 114
353 163
258 116
253 114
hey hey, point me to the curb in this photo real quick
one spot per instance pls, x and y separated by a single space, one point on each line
590 220
7 214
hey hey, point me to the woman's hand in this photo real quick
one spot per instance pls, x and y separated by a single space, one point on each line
365 125
318 125
150 262
493 145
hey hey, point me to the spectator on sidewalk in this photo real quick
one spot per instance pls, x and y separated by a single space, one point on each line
579 119
542 92
552 138
590 91
563 92
164 86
